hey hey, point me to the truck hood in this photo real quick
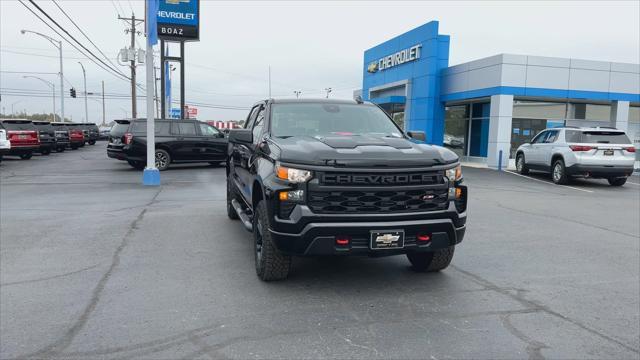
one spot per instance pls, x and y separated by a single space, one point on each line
360 151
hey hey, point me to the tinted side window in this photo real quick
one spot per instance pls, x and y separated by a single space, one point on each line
18 126
539 138
187 128
553 136
572 136
258 125
251 118
140 128
208 130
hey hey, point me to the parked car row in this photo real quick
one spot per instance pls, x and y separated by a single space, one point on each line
23 138
177 141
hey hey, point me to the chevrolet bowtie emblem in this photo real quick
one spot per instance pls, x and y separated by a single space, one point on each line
373 67
387 239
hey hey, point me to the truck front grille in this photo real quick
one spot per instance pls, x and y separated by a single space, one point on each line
379 201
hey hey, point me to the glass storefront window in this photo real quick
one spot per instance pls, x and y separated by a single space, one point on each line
634 114
456 125
592 112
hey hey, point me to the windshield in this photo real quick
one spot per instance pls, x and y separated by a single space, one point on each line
318 119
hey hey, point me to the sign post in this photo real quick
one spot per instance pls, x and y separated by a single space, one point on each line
151 175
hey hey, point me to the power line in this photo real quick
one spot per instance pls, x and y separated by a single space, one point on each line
28 72
83 33
115 8
114 71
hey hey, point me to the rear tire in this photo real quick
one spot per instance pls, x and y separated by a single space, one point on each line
270 263
60 149
617 181
231 212
92 142
46 151
26 156
559 173
163 159
431 261
521 164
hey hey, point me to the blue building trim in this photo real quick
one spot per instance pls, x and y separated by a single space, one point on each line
540 92
389 100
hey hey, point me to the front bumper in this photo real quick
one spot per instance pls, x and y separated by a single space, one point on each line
600 171
317 237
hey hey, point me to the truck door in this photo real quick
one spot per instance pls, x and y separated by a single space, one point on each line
241 155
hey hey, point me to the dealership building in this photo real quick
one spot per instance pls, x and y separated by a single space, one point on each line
488 107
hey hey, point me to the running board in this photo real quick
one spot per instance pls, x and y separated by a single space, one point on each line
246 220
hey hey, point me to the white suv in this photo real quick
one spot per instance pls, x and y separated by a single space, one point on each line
5 144
587 152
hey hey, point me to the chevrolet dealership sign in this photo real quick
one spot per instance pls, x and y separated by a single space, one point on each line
399 58
179 19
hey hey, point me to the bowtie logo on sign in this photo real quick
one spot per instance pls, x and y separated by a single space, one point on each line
399 58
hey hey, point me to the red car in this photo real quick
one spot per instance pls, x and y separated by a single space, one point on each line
23 136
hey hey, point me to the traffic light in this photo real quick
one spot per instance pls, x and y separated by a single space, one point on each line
72 91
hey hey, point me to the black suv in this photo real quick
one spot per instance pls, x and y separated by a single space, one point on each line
115 139
47 137
62 135
177 141
330 177
92 132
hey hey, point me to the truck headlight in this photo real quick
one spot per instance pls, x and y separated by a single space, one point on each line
293 175
454 174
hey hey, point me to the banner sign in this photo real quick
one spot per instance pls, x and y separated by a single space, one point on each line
179 20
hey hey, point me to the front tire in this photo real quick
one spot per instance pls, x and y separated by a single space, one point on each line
521 164
270 263
92 142
46 151
617 181
431 261
163 159
60 149
559 173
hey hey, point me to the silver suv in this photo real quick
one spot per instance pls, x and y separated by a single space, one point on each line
587 152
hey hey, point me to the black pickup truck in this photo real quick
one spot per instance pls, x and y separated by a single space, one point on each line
331 177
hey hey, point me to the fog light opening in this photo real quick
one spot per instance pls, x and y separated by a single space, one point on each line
458 193
342 240
424 237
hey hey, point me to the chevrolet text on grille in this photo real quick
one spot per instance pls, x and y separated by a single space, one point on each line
377 179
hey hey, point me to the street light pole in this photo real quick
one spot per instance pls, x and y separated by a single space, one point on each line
57 44
53 91
86 111
12 112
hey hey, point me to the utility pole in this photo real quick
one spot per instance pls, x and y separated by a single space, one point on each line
269 81
104 116
132 22
297 92
328 90
86 109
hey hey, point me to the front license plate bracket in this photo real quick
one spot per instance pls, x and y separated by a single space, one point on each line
386 239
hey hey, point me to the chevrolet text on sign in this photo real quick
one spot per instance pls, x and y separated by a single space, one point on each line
401 57
179 19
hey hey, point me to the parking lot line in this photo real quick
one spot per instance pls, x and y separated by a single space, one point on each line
548 183
629 182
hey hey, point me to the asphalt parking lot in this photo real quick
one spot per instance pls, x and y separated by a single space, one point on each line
93 265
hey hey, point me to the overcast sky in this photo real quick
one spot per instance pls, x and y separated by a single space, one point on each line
309 45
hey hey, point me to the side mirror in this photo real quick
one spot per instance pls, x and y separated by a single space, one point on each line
418 135
244 136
